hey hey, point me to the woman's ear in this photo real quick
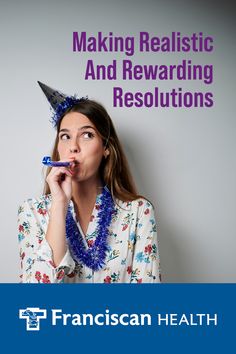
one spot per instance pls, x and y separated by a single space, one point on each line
106 153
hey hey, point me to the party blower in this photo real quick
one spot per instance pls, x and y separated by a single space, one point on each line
48 162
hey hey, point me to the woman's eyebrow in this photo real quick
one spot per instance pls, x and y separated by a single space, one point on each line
86 127
81 128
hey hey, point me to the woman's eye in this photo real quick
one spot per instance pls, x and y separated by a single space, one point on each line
88 135
64 137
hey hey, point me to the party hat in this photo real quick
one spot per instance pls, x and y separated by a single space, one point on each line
54 97
59 102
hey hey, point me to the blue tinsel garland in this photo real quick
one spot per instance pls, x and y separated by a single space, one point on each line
69 102
93 257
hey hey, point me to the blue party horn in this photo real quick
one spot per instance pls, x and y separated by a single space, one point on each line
48 162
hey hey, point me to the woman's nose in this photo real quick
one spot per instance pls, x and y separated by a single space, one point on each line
74 148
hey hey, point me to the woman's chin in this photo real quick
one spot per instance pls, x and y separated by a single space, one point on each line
76 177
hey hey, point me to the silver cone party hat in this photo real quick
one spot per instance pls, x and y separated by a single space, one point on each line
54 97
59 102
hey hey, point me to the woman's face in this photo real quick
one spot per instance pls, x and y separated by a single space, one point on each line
79 139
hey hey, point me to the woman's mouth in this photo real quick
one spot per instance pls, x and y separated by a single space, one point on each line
74 167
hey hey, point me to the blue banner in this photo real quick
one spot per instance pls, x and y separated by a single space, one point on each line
175 318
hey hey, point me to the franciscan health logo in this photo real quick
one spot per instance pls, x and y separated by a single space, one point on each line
33 315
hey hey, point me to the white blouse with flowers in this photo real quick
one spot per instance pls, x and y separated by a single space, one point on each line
132 257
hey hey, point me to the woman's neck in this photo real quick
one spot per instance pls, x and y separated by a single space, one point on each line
84 195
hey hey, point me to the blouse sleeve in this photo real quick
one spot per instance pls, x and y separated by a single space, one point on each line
146 261
36 261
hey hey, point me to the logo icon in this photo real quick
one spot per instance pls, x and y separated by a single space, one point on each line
33 315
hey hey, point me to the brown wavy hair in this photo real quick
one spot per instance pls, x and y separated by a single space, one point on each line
114 170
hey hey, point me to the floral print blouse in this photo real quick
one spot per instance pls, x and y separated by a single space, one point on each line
132 256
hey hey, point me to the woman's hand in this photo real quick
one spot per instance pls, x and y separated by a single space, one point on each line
60 182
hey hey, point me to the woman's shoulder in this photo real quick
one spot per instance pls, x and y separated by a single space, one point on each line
39 204
141 205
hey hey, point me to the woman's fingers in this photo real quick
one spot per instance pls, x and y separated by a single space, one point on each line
57 172
59 181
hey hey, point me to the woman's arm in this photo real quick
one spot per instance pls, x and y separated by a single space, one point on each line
61 191
57 227
146 261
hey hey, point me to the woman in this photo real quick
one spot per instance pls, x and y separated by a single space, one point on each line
89 226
